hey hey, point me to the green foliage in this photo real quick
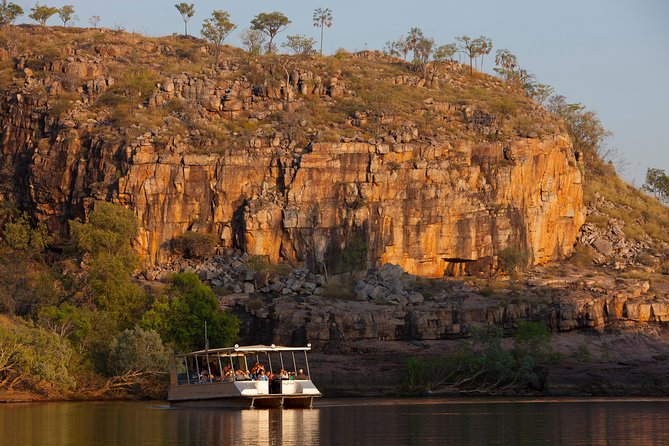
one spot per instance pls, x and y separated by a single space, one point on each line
252 41
445 52
512 259
584 126
65 320
20 235
110 280
322 19
216 28
482 365
532 342
657 183
41 14
354 256
66 14
270 23
195 245
179 317
474 48
137 351
300 44
34 356
94 20
187 11
9 12
582 354
110 229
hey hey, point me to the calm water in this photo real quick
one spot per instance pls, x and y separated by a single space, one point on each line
345 422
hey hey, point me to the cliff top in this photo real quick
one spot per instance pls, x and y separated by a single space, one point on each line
170 87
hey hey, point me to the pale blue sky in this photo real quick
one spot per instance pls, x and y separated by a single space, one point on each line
611 55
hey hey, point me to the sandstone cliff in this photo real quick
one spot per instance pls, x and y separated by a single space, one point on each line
286 157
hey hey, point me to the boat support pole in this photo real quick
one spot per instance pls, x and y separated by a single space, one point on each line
269 358
281 358
233 366
220 366
197 368
307 361
185 359
294 365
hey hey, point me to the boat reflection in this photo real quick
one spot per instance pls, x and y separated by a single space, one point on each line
253 427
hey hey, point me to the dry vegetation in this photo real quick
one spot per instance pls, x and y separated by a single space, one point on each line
378 95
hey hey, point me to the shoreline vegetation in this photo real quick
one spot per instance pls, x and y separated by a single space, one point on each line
77 322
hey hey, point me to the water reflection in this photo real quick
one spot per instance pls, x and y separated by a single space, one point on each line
252 427
350 422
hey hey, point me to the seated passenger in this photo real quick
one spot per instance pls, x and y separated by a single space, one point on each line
283 374
262 376
291 376
301 375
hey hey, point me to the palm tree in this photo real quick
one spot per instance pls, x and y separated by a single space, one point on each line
322 18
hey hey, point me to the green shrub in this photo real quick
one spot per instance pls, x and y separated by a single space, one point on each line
482 364
582 354
180 316
512 260
195 245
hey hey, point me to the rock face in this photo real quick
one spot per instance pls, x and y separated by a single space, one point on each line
435 200
429 209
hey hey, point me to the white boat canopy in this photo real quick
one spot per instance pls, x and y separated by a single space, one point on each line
247 350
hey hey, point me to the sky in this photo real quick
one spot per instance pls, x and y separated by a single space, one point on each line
610 55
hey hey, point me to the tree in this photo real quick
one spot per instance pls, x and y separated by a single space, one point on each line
9 12
41 14
216 28
398 48
271 23
301 45
422 53
586 130
445 52
180 316
474 48
107 237
354 256
507 64
187 12
34 356
483 48
20 235
94 20
136 353
112 287
195 245
110 229
322 18
657 183
252 41
415 35
66 14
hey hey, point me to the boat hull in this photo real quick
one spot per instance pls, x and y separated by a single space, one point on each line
243 395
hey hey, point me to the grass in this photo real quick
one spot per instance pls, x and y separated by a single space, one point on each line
369 86
642 214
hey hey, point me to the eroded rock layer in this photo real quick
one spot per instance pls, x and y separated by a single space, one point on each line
429 208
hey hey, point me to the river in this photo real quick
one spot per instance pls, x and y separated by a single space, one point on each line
364 421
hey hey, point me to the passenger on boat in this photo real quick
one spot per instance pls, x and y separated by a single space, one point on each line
291 376
283 374
241 375
262 376
226 373
301 375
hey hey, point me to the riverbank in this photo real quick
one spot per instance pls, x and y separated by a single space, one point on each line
631 362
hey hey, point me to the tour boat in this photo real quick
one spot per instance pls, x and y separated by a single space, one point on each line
222 378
